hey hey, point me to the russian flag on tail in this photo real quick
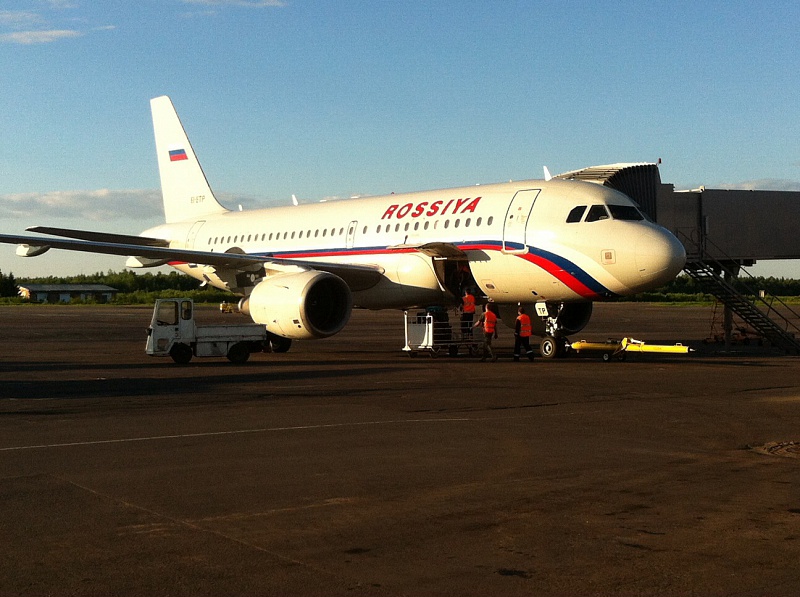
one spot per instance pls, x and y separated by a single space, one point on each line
176 155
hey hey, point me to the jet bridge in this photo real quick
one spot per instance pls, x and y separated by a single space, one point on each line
722 231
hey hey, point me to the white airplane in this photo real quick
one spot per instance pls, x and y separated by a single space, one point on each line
555 245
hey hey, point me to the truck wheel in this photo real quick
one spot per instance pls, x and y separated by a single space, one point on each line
239 353
180 353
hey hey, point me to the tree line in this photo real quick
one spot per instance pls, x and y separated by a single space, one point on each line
144 287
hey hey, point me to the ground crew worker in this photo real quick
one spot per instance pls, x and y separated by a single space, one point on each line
522 334
467 314
489 322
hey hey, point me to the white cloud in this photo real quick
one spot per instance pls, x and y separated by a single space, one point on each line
248 3
29 27
38 37
95 205
764 184
23 18
61 4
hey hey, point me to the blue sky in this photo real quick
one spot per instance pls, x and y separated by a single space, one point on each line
331 99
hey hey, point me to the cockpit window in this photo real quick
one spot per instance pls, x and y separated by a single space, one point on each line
597 212
576 214
625 212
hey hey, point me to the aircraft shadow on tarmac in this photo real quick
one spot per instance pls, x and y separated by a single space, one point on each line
140 386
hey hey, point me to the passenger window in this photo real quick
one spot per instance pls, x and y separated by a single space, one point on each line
596 213
625 212
576 215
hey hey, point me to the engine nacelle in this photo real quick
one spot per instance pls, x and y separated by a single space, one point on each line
309 304
573 317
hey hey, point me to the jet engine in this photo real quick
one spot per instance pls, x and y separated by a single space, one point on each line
563 319
309 304
572 318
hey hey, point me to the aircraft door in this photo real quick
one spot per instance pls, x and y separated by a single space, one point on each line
351 234
192 235
516 222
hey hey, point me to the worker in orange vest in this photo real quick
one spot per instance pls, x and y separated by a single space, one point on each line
522 334
467 314
489 322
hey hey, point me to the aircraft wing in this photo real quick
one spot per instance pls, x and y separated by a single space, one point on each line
127 239
441 250
357 277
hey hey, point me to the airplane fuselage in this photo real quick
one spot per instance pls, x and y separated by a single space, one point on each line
523 242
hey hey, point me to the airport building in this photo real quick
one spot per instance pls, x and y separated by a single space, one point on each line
66 293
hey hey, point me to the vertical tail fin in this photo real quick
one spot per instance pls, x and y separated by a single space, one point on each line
185 190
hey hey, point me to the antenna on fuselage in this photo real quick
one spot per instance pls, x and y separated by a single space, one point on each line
294 199
547 175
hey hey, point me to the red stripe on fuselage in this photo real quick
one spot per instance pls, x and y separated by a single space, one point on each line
562 276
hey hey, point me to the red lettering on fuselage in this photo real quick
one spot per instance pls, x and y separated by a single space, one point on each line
434 208
456 206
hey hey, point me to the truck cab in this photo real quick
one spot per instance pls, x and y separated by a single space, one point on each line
173 332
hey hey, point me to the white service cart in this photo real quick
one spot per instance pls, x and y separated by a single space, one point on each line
428 332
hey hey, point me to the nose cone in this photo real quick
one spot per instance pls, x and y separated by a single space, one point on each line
659 257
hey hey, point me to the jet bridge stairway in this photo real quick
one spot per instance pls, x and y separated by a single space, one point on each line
777 327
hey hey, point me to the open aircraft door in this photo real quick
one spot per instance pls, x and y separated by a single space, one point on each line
516 222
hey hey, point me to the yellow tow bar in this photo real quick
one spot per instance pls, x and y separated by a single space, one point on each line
618 349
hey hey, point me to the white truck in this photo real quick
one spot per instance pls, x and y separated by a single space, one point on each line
174 333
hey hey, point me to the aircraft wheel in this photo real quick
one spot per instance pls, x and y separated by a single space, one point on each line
180 353
238 353
550 347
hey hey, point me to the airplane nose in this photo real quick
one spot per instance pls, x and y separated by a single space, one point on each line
659 257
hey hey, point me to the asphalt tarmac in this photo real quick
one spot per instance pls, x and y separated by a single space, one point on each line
344 467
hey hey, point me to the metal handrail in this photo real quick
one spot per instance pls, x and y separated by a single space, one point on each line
717 263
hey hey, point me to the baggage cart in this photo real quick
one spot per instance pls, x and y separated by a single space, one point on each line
430 333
